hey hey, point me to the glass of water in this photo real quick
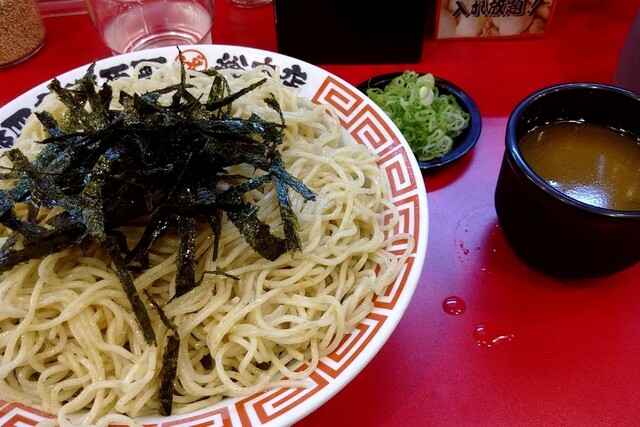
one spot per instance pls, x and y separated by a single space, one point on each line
132 25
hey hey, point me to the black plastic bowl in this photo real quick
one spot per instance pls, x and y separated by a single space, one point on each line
463 142
550 231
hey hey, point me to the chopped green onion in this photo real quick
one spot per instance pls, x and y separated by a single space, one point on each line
428 120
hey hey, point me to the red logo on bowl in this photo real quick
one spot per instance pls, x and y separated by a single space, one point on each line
194 59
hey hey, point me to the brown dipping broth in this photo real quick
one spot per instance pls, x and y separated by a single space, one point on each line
590 163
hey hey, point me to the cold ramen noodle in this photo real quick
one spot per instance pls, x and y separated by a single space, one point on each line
181 239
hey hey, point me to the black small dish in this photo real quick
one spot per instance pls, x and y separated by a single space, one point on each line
463 142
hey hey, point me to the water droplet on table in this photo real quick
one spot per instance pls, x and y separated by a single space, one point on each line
487 337
464 250
454 305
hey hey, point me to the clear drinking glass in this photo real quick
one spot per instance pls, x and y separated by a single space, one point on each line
132 25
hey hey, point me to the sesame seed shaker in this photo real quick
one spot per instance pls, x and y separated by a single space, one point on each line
22 31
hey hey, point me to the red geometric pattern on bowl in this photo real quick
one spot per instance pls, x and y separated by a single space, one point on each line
216 418
389 298
341 97
361 120
352 345
269 405
394 163
370 131
409 213
18 415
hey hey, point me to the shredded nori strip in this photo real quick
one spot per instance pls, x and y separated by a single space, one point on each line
186 275
129 287
164 164
169 360
168 375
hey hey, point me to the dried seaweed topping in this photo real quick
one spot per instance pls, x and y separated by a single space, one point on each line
169 360
168 374
106 167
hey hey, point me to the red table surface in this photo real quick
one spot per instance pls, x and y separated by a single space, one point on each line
570 351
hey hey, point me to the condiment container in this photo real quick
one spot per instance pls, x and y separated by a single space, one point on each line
22 31
552 232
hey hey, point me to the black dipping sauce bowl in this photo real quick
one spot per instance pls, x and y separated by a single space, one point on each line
552 232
